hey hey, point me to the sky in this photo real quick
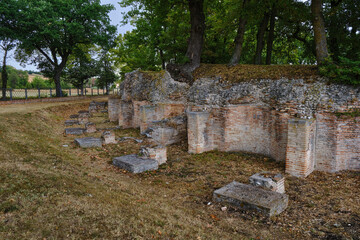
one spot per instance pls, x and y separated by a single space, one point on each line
115 17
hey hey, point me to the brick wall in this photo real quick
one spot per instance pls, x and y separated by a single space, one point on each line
328 143
300 151
248 128
337 143
129 113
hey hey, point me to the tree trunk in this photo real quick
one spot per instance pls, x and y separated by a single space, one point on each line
239 40
82 88
4 75
319 31
197 21
270 39
162 58
260 38
334 31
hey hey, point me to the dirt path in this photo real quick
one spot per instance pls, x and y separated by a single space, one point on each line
30 107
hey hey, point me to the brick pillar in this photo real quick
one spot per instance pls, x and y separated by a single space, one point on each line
147 115
114 108
300 147
126 113
197 136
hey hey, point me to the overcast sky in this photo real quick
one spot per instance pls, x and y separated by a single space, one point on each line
115 16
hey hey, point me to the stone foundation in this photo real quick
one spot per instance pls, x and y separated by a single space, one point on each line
108 137
273 182
328 143
158 153
294 121
90 127
114 108
129 113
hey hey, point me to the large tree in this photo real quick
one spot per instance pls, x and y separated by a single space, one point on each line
319 31
8 37
81 67
197 21
50 30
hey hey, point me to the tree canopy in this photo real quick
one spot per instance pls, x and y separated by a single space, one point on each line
181 33
246 31
48 31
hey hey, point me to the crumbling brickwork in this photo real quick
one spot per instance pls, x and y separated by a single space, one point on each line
291 120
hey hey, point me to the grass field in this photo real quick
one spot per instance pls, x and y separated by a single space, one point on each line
48 191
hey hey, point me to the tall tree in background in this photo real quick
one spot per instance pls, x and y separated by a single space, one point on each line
319 31
239 39
7 37
271 35
260 38
50 30
197 21
82 67
6 45
107 75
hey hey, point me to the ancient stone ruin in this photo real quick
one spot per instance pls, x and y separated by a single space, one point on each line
307 125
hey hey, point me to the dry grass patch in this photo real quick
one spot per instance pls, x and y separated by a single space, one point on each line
243 72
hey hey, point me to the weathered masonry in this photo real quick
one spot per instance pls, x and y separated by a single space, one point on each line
307 125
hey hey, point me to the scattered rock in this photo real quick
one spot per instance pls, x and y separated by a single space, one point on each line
273 182
88 142
71 122
74 131
252 198
90 127
108 137
135 164
130 138
74 116
157 153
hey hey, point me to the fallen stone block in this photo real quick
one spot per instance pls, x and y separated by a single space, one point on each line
130 138
90 127
167 131
74 116
135 164
88 142
108 137
273 182
157 153
249 197
71 122
83 118
74 131
97 106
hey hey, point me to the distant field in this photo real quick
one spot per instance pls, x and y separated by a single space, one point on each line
34 93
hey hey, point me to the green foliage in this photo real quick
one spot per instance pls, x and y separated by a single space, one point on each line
81 66
346 71
16 78
39 82
48 31
107 75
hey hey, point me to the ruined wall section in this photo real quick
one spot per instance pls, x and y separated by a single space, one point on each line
247 127
337 142
290 120
297 97
150 96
